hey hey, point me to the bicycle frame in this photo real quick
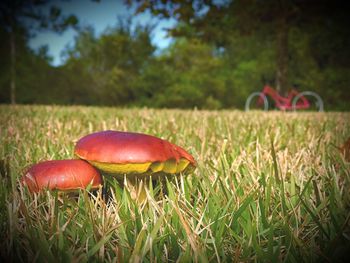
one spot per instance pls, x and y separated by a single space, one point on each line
284 103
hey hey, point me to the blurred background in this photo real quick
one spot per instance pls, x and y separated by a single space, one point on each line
172 54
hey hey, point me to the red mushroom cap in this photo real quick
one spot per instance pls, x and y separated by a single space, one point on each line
61 175
128 147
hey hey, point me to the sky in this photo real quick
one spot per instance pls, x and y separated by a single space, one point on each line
99 15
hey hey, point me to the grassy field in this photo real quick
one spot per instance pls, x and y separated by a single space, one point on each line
269 187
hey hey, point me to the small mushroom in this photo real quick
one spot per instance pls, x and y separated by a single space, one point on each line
62 175
134 155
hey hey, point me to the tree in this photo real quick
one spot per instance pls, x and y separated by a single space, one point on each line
114 61
186 75
214 22
19 15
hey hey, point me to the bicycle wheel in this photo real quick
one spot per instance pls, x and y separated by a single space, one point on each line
316 103
252 102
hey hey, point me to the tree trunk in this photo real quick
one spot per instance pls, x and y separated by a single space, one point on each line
13 66
282 56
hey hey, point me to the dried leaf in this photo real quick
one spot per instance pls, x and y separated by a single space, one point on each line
345 150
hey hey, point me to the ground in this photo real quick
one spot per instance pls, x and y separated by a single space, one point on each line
268 187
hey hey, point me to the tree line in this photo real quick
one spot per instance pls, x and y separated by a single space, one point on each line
221 52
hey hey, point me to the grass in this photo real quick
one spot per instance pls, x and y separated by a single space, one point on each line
269 187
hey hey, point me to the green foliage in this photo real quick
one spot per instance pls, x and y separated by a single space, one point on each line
193 74
113 62
268 187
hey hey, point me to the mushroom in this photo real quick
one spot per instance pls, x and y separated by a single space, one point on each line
62 175
134 155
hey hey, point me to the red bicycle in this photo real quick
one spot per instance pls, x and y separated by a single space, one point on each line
306 100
